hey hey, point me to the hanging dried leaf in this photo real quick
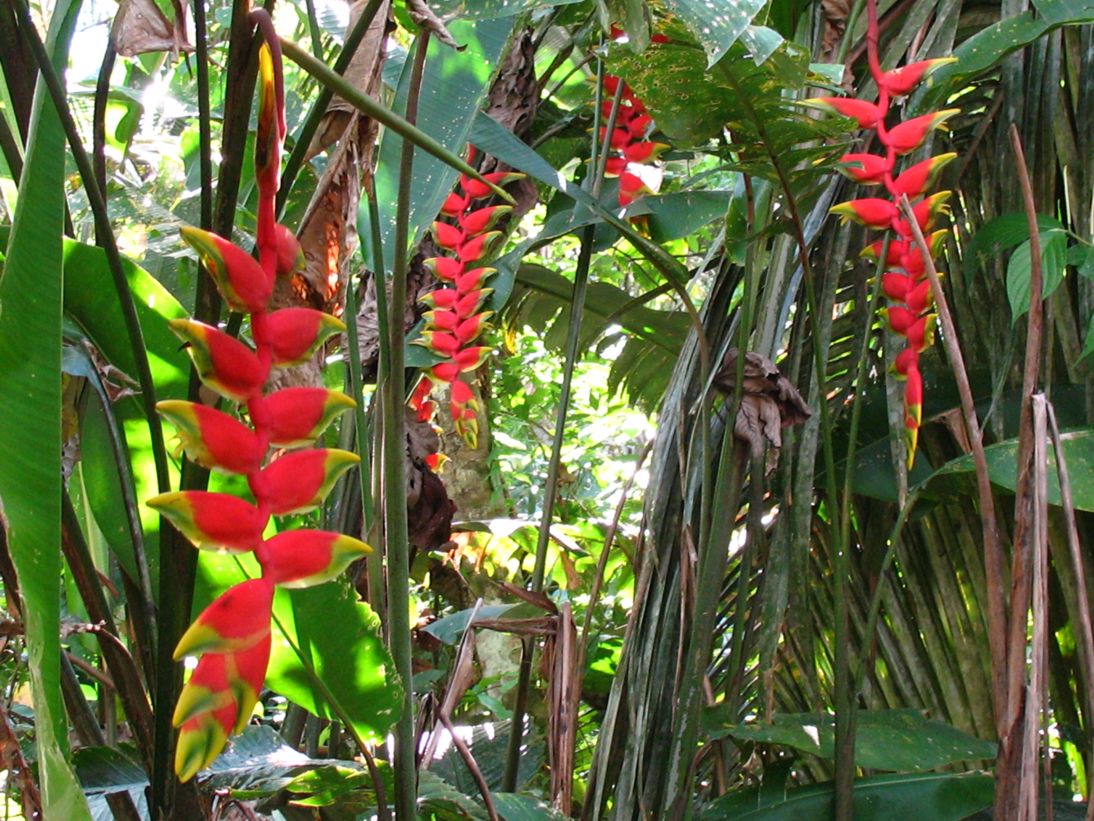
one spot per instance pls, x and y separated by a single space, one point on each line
768 401
140 27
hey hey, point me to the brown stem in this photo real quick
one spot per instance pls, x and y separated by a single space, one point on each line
993 546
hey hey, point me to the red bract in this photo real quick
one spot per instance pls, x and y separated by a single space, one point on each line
232 635
631 153
457 319
909 316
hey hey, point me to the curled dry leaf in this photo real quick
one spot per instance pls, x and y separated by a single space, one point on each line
424 16
769 402
140 27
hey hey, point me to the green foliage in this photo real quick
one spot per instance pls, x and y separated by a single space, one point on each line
879 798
897 740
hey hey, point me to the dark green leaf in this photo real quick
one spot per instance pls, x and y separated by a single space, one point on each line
491 9
514 807
1078 451
1053 258
939 797
902 740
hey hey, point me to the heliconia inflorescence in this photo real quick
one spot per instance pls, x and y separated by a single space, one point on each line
631 154
910 313
232 635
456 318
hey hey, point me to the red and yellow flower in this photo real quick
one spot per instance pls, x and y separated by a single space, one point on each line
911 312
232 635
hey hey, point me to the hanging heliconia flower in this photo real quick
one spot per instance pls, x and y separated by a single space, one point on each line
631 154
232 635
911 312
456 318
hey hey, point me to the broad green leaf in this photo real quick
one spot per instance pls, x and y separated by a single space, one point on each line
439 799
516 807
901 740
986 49
717 25
108 770
454 85
1053 259
1000 234
30 438
258 763
682 213
90 302
1088 346
1078 451
449 629
939 797
491 9
488 744
1082 257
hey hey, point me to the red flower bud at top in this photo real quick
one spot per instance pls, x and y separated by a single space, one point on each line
479 220
213 439
910 134
212 520
872 212
903 80
867 114
303 558
296 416
270 125
611 82
238 276
224 364
867 169
236 620
290 256
475 189
915 181
296 333
299 481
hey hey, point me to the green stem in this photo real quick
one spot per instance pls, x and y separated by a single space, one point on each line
375 560
365 104
395 530
550 490
205 122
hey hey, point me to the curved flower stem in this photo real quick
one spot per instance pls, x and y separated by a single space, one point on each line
365 104
394 459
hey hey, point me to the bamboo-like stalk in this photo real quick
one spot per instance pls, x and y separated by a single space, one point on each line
1014 778
205 123
394 466
550 488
